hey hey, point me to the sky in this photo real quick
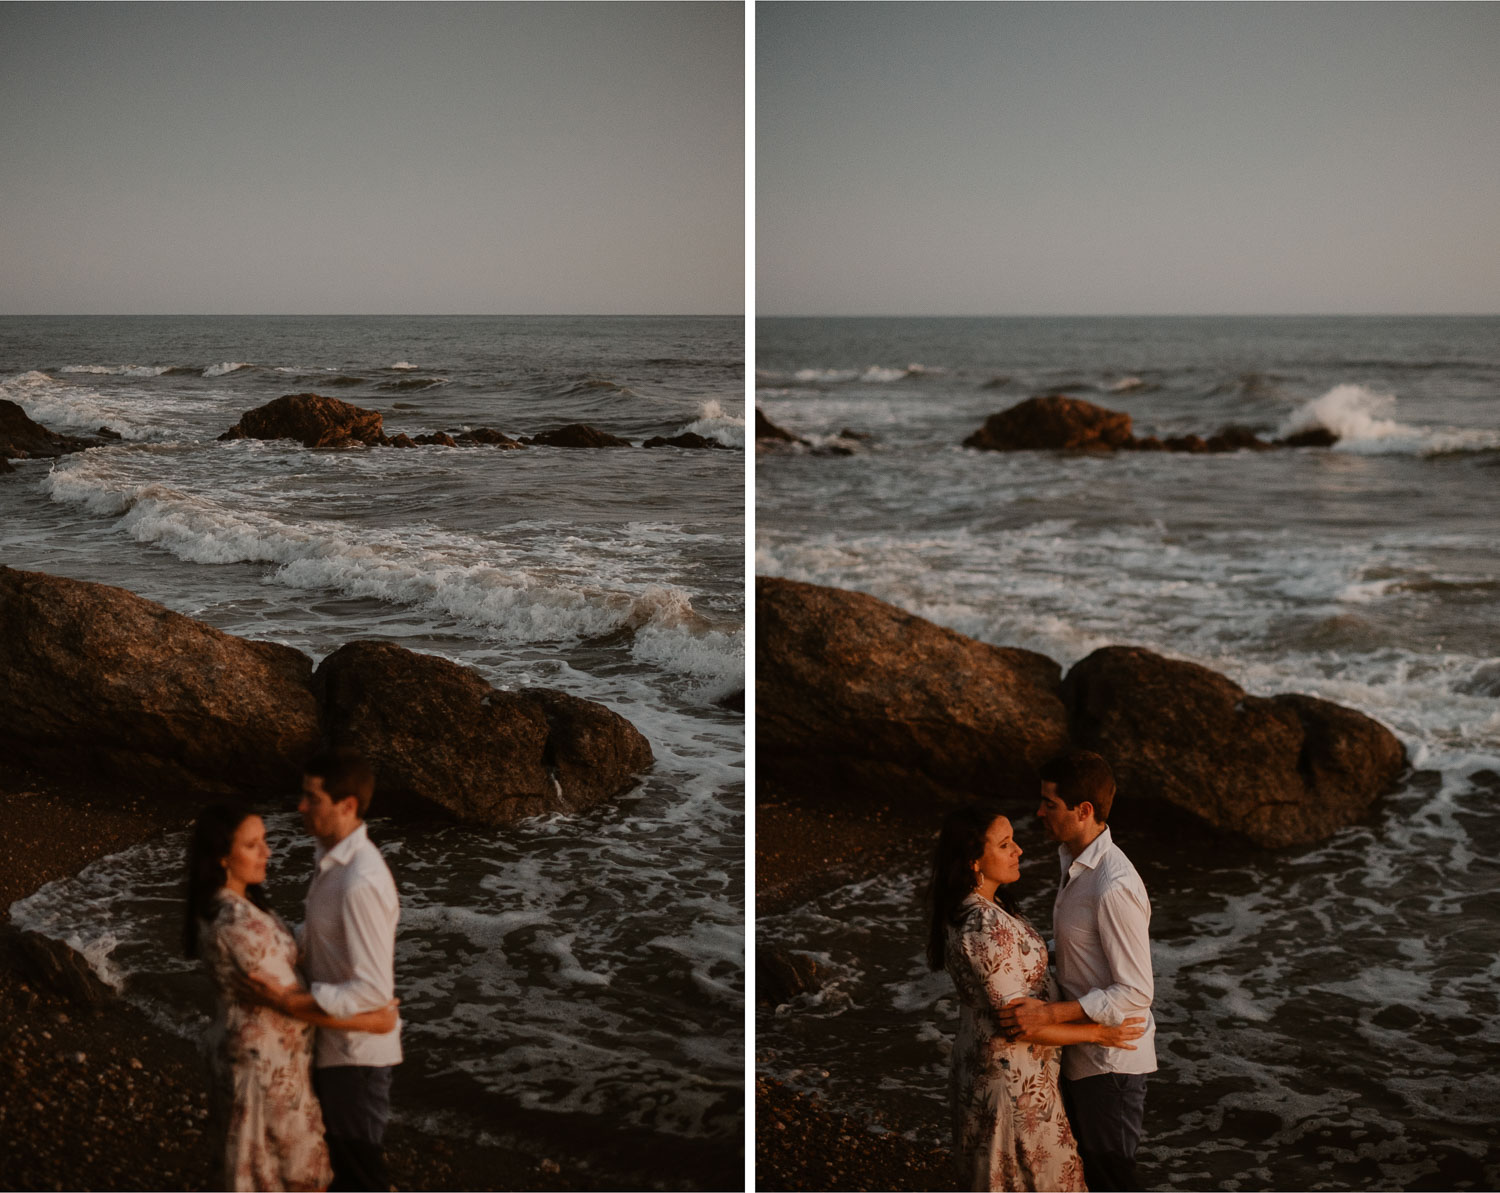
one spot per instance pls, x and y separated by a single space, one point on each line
372 158
1127 158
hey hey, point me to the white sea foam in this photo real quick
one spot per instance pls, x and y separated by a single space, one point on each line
1359 416
714 422
228 366
402 364
118 370
62 405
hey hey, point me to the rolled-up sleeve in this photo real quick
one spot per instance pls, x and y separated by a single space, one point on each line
1124 921
370 935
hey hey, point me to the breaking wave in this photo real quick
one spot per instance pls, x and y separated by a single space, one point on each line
1360 417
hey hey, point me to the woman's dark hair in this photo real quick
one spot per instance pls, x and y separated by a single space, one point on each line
212 839
960 845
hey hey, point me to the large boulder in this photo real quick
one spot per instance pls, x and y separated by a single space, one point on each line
766 429
23 439
490 438
440 737
313 420
577 435
687 439
98 682
1280 770
857 696
1051 423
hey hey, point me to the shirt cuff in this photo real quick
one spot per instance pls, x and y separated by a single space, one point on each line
1097 1006
326 995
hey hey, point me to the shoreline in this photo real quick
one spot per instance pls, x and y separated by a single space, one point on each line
801 852
100 1097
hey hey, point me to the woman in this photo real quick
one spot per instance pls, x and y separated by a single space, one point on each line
1009 1128
269 1124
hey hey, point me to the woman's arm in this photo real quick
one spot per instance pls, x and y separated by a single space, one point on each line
1111 1036
297 1003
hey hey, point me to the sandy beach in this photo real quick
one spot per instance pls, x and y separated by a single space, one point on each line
99 1097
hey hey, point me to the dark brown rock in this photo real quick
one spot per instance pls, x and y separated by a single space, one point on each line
1195 444
440 738
402 440
6 466
106 433
687 439
490 438
100 683
1312 437
766 429
1053 422
311 419
781 975
436 439
1283 770
54 966
1149 443
578 435
23 439
1233 439
857 696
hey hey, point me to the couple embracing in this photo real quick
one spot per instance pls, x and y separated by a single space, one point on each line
300 1066
1023 1117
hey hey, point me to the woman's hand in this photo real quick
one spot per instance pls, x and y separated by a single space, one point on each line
377 1022
1112 1036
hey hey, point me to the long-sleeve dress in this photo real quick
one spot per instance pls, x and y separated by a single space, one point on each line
1009 1128
268 1121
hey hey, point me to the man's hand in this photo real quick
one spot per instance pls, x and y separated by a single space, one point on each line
1024 1015
255 989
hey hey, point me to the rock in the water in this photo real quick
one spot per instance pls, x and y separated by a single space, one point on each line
98 682
313 420
54 965
1283 770
1233 439
858 696
490 438
686 439
106 433
402 440
6 466
578 435
781 975
436 439
23 439
439 737
1195 444
766 429
733 702
1053 422
1312 437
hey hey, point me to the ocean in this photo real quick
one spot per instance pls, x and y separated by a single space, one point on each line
571 973
1327 1016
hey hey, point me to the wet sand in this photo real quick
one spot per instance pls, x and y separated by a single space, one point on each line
801 851
99 1097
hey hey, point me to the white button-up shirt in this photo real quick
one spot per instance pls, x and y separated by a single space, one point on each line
349 948
1100 923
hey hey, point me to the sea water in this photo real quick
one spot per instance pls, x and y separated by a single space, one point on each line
1327 1016
589 968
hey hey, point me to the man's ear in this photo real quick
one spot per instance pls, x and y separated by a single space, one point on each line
1084 811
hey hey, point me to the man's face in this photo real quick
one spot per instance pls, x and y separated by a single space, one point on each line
1062 821
321 816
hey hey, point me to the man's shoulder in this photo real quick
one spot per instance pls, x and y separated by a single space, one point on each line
368 866
1115 869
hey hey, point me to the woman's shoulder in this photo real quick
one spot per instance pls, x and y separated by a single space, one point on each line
976 913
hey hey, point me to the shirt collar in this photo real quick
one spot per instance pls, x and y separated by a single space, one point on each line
342 853
1090 857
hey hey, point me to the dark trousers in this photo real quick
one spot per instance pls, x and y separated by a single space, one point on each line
1106 1112
356 1101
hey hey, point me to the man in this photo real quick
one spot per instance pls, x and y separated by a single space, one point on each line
348 943
1102 951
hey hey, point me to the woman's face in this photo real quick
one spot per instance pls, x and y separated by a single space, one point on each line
1000 863
245 863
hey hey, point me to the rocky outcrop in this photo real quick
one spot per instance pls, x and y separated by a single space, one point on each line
23 439
781 975
439 736
766 429
577 435
857 695
686 439
436 439
1056 422
490 437
1280 770
98 682
311 419
1053 423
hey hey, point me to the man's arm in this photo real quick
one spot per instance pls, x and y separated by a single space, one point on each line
1124 920
1027 1015
370 937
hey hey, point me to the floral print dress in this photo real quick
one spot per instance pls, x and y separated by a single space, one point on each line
268 1121
1009 1128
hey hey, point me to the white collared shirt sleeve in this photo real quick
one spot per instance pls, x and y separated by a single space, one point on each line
370 938
1124 920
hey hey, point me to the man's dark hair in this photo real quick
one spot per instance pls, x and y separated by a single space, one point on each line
345 775
1082 775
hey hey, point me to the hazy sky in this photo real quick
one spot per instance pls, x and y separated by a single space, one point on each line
372 158
1045 158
